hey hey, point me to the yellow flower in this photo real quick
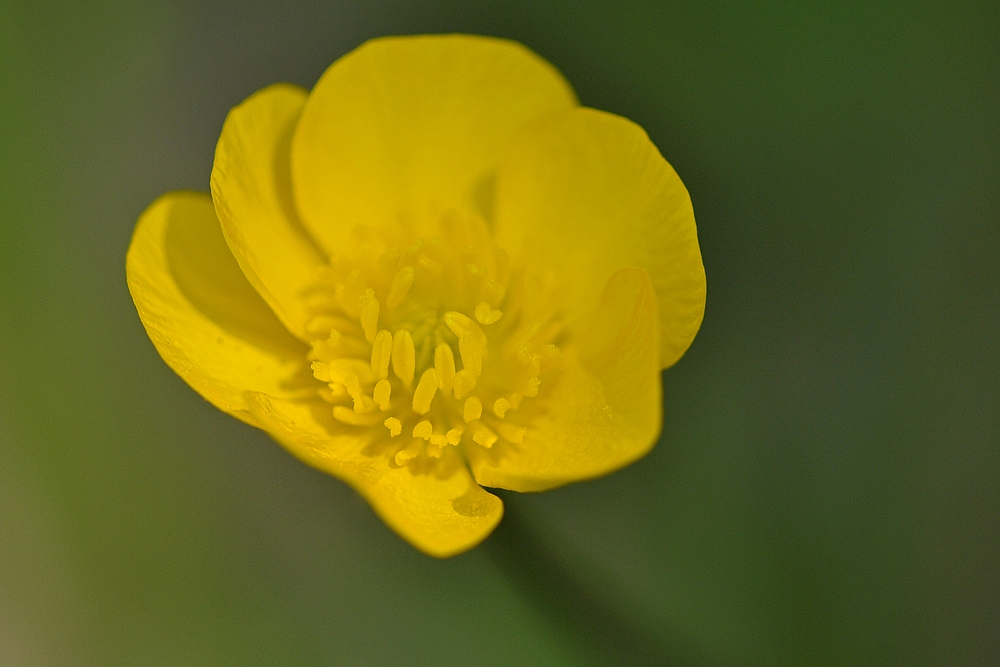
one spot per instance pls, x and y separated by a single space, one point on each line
434 272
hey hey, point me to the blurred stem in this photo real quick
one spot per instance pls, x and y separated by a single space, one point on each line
565 599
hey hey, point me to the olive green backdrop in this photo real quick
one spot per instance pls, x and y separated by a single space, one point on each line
826 488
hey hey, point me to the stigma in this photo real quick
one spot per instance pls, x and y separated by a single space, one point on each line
426 339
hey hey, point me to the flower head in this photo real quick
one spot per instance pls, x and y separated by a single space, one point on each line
432 273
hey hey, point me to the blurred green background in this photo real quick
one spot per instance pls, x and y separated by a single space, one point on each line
826 488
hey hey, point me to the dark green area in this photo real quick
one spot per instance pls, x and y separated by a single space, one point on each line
827 489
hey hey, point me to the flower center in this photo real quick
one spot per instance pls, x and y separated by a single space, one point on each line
432 342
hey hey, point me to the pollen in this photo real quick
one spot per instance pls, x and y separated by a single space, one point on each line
394 425
398 343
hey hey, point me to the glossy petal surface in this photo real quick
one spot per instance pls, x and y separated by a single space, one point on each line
204 318
441 512
587 193
605 410
252 190
406 124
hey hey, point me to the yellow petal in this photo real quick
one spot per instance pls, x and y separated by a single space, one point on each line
202 315
251 186
586 192
402 124
441 515
605 410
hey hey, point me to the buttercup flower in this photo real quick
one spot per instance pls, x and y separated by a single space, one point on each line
433 273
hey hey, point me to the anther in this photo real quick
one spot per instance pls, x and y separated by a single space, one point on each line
473 409
454 436
423 430
399 287
485 437
381 353
500 407
472 352
532 389
403 356
438 440
459 324
424 393
487 315
465 382
444 364
368 314
383 390
394 425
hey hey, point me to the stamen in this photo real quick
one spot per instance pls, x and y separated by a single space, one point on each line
473 409
485 437
368 309
408 453
512 433
487 315
394 425
444 364
383 390
349 416
423 430
400 287
337 370
459 324
361 402
454 436
381 353
348 293
500 407
424 393
333 392
495 290
438 440
321 324
532 389
403 356
472 353
515 400
390 258
465 382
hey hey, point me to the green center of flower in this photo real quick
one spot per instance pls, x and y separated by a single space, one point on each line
431 341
